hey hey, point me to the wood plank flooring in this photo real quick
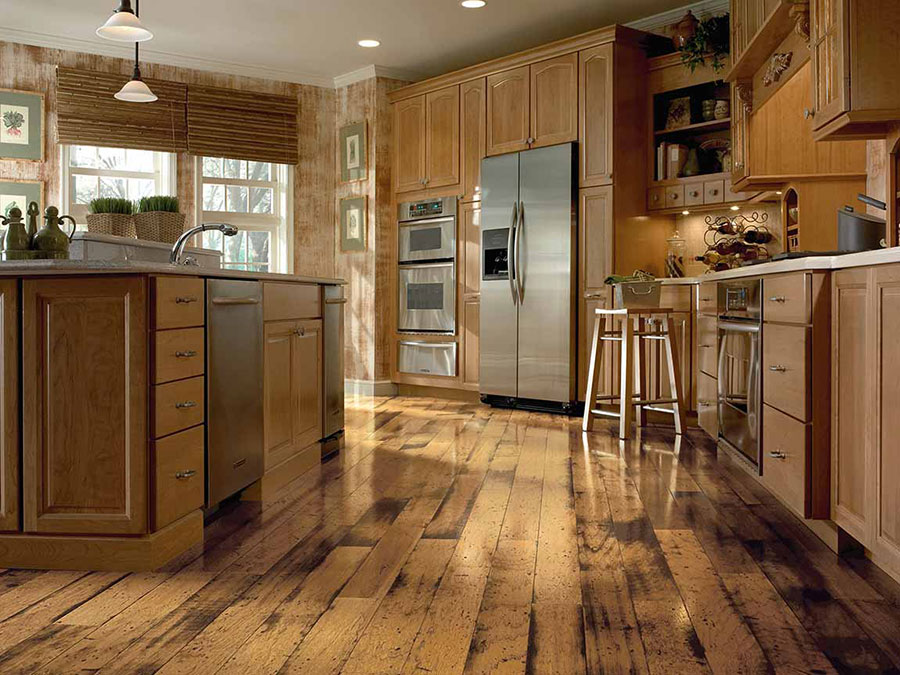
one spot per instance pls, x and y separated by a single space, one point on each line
448 537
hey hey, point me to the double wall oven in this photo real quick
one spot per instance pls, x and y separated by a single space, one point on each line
426 246
739 358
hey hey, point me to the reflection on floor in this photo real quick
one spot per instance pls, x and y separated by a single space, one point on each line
448 538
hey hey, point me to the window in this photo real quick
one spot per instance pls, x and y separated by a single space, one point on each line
90 172
253 196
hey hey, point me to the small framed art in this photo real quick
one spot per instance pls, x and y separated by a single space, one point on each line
353 144
21 125
19 194
353 224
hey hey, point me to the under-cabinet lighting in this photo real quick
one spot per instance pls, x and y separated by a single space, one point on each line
369 43
473 4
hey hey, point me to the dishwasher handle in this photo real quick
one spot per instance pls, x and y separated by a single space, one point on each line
336 301
235 301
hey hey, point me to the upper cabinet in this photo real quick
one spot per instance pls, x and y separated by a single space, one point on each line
473 133
595 96
856 89
426 141
533 106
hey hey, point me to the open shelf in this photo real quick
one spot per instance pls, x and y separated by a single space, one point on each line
690 179
776 27
698 127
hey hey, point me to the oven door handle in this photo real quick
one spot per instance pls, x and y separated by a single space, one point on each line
738 327
424 266
511 255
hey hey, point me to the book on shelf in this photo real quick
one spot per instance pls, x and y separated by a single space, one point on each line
677 157
661 160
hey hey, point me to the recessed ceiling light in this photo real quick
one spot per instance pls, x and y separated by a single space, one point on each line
369 43
473 4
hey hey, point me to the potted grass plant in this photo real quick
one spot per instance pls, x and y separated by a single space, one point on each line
111 215
158 219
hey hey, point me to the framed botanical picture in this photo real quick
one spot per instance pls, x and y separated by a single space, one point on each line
19 194
679 113
353 224
21 125
352 146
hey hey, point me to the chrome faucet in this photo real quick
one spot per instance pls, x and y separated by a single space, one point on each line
178 247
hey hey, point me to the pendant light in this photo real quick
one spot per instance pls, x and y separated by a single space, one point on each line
136 90
124 25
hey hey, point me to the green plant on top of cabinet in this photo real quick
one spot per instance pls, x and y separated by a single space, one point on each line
426 137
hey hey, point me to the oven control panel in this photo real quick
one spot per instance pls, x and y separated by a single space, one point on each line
494 245
740 299
736 299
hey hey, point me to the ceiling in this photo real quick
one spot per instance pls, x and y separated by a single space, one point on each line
314 41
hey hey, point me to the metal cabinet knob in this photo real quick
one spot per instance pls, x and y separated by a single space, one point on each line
530 140
738 165
300 332
181 405
185 475
777 454
808 113
694 193
777 298
190 353
778 369
185 300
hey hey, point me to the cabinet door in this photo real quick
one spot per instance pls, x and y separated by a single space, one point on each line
707 408
740 139
850 401
85 405
596 115
508 119
554 101
306 365
473 130
409 144
442 137
829 42
595 243
471 317
279 396
9 407
469 292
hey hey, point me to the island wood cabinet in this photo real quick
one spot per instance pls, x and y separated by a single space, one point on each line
84 391
856 93
866 397
9 407
533 106
427 141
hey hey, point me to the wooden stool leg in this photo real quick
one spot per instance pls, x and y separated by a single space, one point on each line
672 353
593 376
626 383
642 389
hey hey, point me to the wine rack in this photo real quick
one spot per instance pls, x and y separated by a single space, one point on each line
734 240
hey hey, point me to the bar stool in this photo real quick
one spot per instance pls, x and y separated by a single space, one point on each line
632 331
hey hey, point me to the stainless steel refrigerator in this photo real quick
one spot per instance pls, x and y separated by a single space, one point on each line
528 285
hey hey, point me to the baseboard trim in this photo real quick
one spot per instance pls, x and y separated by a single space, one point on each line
466 395
370 388
278 476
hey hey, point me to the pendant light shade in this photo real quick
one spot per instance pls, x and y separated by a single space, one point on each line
124 25
136 90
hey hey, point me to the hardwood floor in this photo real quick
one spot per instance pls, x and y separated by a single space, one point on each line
452 538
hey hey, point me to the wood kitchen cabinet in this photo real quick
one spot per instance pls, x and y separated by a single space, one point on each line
595 103
508 111
426 141
293 388
856 93
9 407
473 132
469 290
84 397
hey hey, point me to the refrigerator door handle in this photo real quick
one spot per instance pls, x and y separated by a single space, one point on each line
510 254
520 285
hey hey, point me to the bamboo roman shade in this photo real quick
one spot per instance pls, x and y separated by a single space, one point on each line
89 115
242 125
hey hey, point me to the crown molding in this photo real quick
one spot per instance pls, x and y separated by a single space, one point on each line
104 48
370 71
702 9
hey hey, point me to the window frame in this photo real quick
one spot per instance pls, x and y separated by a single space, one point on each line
165 175
279 224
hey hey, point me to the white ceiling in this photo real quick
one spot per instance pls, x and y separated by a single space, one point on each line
314 41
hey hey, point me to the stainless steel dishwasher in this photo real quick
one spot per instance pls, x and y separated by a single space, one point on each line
333 370
234 387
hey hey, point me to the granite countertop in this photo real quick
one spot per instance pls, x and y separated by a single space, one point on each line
25 268
835 262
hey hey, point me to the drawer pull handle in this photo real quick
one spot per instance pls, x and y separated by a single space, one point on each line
777 454
189 354
777 298
300 332
185 404
705 404
185 300
185 475
705 299
705 346
778 369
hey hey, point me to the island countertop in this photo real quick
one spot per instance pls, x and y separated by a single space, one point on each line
27 268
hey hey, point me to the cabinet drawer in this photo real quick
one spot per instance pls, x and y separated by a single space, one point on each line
283 301
785 350
731 195
676 296
785 442
177 476
177 302
693 194
707 408
786 298
707 336
674 196
178 354
177 405
656 198
714 192
707 301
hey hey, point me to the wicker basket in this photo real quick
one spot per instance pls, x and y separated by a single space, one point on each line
118 224
163 226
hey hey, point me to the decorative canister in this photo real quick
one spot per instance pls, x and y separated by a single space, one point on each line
708 108
675 248
50 240
723 109
16 240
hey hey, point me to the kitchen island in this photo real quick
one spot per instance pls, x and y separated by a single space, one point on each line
109 381
828 360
